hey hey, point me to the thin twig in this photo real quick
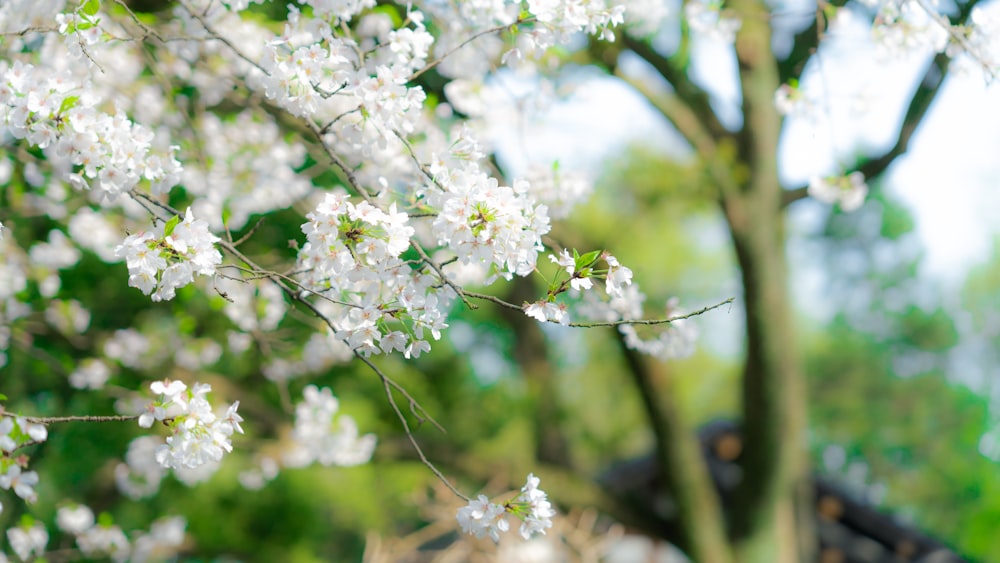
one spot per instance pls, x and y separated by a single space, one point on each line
492 299
958 37
444 279
389 386
475 36
339 163
668 320
147 31
415 408
701 311
249 234
27 30
219 37
75 418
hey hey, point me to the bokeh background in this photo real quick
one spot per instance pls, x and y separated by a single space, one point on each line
896 313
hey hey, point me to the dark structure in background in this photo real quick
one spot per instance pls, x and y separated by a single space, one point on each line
848 530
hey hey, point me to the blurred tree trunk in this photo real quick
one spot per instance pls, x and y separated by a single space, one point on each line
771 518
765 519
701 530
531 354
765 522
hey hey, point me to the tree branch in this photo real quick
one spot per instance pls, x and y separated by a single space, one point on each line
921 101
681 463
765 526
687 122
531 353
804 45
687 92
74 418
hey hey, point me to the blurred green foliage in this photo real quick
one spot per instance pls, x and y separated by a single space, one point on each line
881 381
887 385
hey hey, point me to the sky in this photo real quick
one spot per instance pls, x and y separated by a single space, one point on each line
948 178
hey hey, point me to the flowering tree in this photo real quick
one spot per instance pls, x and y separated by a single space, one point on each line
180 140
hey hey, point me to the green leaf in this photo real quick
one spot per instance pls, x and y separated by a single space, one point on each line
168 229
3 397
90 7
391 12
588 259
68 103
105 520
830 11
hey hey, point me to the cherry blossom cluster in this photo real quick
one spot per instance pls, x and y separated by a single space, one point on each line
666 341
543 24
349 72
294 76
559 190
15 433
571 16
576 275
105 540
140 475
27 539
52 111
342 10
673 341
91 373
168 258
310 68
23 14
978 46
482 518
902 27
376 301
246 168
790 100
31 536
849 191
13 280
321 436
81 29
484 223
709 18
198 435
49 256
311 71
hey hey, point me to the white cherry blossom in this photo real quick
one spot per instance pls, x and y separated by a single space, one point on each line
849 191
28 540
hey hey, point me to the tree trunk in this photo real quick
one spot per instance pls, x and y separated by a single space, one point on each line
681 463
771 520
531 354
766 519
